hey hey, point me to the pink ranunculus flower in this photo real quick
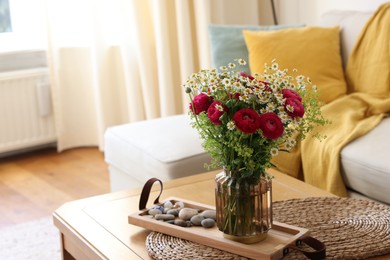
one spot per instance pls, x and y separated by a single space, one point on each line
289 93
271 125
201 103
214 113
247 120
298 109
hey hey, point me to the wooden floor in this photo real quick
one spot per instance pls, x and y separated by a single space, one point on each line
33 185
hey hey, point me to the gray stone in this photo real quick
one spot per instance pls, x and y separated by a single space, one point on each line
180 222
187 213
174 212
208 223
164 217
209 213
197 219
153 212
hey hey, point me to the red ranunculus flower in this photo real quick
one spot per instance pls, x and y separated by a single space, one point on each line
246 75
247 120
298 108
289 93
271 125
214 114
201 103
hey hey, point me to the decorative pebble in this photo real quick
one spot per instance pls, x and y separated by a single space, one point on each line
179 204
174 212
164 217
168 204
154 211
209 214
208 223
187 213
180 222
186 216
197 219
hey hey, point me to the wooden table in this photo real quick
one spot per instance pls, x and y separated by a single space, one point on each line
97 227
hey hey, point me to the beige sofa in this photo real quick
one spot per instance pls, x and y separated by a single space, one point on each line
169 148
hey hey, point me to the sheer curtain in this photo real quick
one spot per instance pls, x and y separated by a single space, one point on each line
119 61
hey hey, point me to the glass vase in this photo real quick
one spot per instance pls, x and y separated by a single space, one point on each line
243 207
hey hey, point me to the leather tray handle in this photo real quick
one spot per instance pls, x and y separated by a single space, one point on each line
319 248
146 191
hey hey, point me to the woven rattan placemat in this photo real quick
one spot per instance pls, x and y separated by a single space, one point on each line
350 229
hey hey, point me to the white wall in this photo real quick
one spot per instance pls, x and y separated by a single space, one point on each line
309 11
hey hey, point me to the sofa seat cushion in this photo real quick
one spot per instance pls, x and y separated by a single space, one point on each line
365 163
165 148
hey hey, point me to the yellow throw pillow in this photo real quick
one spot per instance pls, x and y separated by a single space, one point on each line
313 51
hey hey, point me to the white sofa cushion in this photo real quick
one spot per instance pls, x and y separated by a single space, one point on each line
350 23
165 148
365 163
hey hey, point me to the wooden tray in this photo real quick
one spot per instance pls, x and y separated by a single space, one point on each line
271 248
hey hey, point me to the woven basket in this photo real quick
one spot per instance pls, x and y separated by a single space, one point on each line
350 229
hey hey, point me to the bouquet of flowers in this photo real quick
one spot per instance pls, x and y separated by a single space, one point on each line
244 120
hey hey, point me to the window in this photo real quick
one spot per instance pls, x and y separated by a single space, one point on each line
5 17
22 25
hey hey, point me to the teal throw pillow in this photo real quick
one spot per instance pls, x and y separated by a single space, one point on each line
228 44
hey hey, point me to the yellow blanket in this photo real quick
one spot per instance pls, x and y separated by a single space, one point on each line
353 115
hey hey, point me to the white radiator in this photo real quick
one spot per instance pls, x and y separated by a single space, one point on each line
26 118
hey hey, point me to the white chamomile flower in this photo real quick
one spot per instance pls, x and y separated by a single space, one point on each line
292 142
314 87
273 87
287 146
290 108
274 151
223 68
241 62
237 84
231 65
295 70
226 82
257 91
213 88
284 117
300 78
279 97
309 80
297 120
275 66
244 97
213 81
231 125
270 107
248 91
219 107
